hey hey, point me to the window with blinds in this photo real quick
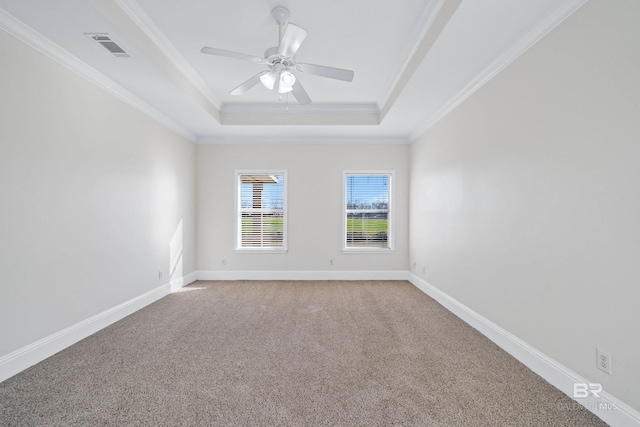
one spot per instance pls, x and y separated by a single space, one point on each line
262 207
367 211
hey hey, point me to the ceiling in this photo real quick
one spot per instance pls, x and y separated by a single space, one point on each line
413 60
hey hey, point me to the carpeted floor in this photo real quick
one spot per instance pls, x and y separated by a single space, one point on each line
325 353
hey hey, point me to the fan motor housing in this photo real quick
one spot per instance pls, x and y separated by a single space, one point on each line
272 57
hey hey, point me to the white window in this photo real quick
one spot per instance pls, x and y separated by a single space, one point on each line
368 211
261 211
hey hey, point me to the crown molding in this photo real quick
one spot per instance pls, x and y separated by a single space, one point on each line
283 113
419 32
500 63
336 118
442 15
26 34
295 108
146 24
300 140
130 26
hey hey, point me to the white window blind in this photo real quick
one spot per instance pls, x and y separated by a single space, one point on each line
367 211
261 210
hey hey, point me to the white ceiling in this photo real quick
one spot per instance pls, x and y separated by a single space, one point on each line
414 60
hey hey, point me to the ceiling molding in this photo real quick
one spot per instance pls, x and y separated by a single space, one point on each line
146 24
443 15
418 34
292 118
297 140
500 63
228 114
129 24
300 109
137 27
42 44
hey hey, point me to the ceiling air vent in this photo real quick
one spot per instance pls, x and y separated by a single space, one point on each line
107 42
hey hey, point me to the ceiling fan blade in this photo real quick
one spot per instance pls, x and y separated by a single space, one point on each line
324 71
291 40
300 94
231 54
248 84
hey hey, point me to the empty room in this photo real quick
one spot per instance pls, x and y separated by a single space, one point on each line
339 213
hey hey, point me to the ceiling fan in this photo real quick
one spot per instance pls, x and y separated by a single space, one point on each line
281 63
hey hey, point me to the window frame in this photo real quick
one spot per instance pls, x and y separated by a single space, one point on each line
238 211
390 212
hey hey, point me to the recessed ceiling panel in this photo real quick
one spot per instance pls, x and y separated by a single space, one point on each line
372 38
172 81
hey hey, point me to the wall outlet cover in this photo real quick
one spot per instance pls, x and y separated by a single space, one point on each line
603 361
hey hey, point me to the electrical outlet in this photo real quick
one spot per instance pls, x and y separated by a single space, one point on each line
414 265
159 275
424 270
603 361
224 261
330 262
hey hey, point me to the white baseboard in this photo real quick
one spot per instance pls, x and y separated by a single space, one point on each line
607 407
180 282
23 358
303 275
552 371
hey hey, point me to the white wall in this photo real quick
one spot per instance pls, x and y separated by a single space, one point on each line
314 205
91 194
525 200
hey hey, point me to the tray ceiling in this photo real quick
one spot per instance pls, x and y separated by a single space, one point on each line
414 60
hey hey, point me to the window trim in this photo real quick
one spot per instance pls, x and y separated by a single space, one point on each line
390 215
237 211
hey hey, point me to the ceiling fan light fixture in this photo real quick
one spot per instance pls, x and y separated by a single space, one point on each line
287 80
280 60
269 79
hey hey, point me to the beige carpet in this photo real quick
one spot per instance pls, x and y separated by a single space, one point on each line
325 353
